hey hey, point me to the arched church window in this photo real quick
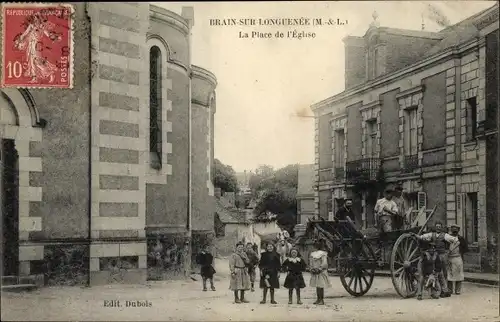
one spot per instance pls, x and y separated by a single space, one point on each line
155 106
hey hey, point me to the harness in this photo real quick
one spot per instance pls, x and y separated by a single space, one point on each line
430 254
429 257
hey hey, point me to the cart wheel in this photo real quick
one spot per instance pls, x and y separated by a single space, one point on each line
404 265
357 268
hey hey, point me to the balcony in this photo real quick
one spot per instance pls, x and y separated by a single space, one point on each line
487 124
363 171
339 174
410 163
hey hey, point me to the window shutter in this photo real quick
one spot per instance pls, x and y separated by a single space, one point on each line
422 200
461 209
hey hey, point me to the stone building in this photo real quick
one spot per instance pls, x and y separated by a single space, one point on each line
305 193
418 109
111 180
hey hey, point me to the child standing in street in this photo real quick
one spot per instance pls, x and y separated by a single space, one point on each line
240 281
319 272
269 266
205 259
294 280
253 261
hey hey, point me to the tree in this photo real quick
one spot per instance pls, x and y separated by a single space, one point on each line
278 195
225 177
258 178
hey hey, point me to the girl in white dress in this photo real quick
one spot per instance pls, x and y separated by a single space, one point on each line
318 264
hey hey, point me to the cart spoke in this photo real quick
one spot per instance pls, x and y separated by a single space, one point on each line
399 270
410 286
350 282
407 284
407 249
401 282
366 281
355 282
361 284
404 247
410 283
398 254
414 260
413 252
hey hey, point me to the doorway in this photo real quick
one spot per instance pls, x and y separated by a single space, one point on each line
370 202
9 190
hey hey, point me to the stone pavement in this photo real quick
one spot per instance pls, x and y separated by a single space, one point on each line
184 301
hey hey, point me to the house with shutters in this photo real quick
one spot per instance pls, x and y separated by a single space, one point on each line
419 109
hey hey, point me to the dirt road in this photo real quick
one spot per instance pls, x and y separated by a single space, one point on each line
184 301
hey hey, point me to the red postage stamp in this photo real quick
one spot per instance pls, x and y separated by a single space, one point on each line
37 45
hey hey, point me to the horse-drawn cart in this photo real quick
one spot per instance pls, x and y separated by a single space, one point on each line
358 253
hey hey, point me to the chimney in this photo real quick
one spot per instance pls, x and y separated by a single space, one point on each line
355 61
188 14
218 193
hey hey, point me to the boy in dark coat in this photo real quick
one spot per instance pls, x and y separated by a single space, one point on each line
269 265
207 271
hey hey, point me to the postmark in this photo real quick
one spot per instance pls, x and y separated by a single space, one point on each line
37 45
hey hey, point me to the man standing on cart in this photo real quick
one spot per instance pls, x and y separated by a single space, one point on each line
399 220
385 209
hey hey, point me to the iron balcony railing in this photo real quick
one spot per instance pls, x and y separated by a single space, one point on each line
363 170
410 163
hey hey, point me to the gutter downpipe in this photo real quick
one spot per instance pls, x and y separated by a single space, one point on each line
88 16
498 163
190 137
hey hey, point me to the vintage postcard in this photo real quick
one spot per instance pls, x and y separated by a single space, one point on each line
250 161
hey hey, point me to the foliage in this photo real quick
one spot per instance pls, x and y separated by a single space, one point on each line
243 201
260 175
276 193
225 177
66 265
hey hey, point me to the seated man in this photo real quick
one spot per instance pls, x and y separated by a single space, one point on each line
385 208
345 212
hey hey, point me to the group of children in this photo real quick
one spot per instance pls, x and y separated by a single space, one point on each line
441 260
244 261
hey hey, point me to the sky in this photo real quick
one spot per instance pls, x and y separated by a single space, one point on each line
264 84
